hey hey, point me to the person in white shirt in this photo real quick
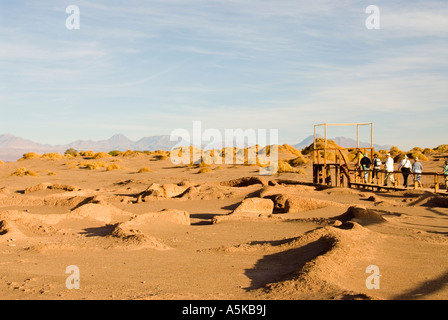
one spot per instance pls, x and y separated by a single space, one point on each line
389 166
405 167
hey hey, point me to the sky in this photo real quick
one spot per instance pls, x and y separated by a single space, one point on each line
144 68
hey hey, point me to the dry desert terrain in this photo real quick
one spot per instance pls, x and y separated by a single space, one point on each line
176 232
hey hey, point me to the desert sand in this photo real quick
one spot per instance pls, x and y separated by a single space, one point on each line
179 232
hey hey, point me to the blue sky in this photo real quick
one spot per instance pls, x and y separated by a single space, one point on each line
145 68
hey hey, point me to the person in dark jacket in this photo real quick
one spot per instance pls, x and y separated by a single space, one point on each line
406 168
366 163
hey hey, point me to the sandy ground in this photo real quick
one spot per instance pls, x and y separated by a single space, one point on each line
174 233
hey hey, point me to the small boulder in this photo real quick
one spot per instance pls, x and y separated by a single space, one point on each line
255 206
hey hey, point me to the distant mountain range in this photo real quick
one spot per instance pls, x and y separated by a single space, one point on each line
13 148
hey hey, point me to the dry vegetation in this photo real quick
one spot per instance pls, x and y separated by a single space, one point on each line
205 170
22 172
100 155
145 169
296 162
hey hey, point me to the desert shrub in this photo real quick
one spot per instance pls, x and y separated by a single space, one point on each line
428 151
330 155
113 166
145 169
30 155
399 157
152 153
132 153
115 153
161 152
320 143
290 149
160 157
418 155
416 149
264 163
284 166
442 148
100 155
344 155
299 161
246 163
202 164
71 152
52 155
92 165
51 173
84 153
394 151
22 172
205 170
265 151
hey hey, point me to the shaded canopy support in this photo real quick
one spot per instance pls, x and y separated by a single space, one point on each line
322 167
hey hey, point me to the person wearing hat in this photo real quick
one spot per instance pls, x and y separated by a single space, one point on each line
417 169
389 166
445 173
405 167
376 166
366 163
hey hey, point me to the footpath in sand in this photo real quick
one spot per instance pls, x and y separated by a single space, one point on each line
174 233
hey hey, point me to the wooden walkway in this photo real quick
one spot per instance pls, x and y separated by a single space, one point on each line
376 187
339 175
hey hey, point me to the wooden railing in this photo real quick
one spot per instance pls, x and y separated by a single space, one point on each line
333 163
434 182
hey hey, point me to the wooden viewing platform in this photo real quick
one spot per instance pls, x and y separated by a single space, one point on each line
334 174
330 167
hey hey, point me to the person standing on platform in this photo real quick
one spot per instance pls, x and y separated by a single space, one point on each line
376 167
366 163
389 166
405 167
417 170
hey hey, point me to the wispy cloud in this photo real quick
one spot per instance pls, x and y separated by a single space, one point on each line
154 65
